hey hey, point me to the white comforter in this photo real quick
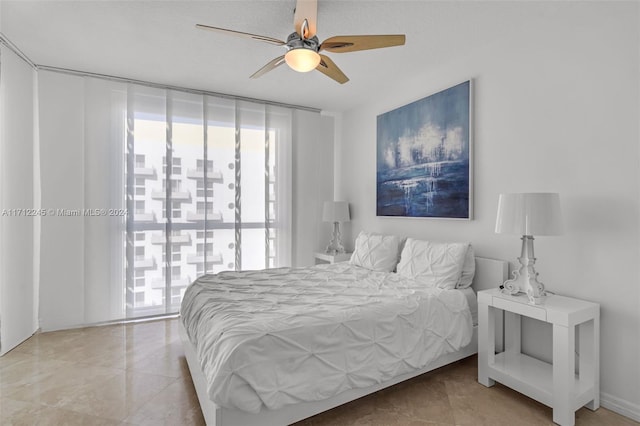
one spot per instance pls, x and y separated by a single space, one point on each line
282 336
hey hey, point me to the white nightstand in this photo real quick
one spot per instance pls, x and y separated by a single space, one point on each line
331 258
555 385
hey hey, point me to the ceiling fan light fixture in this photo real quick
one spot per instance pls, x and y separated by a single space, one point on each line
302 59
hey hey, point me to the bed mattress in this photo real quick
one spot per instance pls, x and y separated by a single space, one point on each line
472 301
282 336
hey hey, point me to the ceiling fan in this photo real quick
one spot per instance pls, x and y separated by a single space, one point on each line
303 47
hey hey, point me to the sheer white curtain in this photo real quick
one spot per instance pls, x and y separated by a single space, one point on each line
18 224
82 128
171 185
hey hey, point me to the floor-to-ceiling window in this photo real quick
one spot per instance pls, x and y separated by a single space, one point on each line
206 191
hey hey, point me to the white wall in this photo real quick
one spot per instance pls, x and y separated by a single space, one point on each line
18 277
556 109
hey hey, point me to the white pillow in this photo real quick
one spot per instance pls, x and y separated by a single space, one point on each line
376 252
468 269
438 264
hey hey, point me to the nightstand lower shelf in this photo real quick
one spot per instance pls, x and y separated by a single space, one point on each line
533 377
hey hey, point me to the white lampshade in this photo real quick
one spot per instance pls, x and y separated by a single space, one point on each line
529 214
302 59
335 211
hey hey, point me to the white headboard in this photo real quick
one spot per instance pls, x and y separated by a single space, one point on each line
490 273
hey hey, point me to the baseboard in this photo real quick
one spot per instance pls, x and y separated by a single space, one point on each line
620 406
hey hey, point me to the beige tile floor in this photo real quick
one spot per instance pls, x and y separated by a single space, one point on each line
136 374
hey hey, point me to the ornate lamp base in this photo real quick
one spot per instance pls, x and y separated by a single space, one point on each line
525 279
335 245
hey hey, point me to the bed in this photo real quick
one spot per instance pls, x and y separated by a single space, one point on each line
265 345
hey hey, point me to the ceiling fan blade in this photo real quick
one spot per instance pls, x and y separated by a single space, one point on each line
271 65
306 9
243 35
328 68
343 44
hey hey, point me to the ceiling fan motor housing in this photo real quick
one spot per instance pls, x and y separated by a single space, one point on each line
294 41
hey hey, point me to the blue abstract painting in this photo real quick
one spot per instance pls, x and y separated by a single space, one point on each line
424 156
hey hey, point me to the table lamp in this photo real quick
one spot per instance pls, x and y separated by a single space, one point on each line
528 214
336 212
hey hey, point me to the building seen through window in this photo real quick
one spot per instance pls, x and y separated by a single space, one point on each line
185 193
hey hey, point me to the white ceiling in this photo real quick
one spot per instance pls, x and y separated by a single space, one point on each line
156 41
